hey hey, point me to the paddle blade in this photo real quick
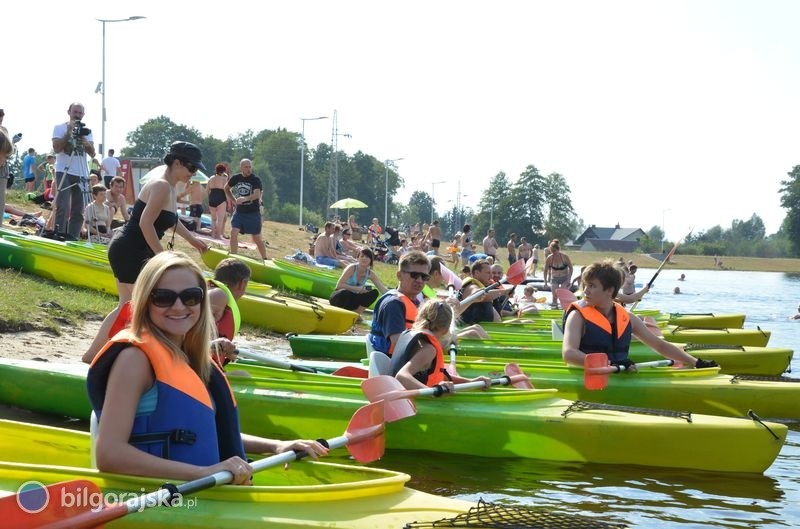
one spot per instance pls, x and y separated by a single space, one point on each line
595 381
365 432
35 505
565 297
351 372
516 273
513 369
391 392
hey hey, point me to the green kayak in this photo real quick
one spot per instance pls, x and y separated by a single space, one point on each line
768 361
498 422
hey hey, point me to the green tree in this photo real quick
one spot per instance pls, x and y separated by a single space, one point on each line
420 207
790 200
153 138
527 201
562 222
279 150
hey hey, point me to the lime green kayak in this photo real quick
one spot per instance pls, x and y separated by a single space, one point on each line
767 361
303 281
501 422
307 495
752 337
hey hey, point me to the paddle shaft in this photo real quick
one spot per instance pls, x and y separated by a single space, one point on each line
661 266
274 362
439 390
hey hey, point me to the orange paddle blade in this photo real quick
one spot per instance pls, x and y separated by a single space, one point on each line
516 273
592 380
351 372
565 297
366 433
391 392
36 505
512 369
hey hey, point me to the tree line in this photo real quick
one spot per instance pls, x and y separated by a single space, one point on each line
532 205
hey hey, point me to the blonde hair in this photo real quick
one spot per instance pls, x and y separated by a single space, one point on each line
194 348
434 316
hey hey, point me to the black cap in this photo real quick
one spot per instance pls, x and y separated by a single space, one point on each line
188 152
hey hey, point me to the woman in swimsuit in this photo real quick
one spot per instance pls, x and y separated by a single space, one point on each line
217 201
557 269
154 212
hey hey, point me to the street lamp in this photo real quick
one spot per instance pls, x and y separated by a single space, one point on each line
303 159
386 191
433 200
102 86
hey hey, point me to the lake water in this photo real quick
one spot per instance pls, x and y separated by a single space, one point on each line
642 496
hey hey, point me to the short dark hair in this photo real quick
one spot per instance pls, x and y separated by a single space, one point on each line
414 257
231 271
606 273
478 265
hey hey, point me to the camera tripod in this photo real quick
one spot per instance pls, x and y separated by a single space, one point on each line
74 177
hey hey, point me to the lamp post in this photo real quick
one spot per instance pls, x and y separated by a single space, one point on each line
433 200
303 159
386 191
102 86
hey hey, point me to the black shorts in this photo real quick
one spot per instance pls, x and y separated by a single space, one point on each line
435 243
196 210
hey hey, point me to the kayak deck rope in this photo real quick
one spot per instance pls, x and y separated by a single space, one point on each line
706 346
582 405
763 378
755 417
490 515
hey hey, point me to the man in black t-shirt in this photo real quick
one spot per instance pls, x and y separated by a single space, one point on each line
244 189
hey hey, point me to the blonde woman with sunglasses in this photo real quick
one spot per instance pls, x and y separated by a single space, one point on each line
164 409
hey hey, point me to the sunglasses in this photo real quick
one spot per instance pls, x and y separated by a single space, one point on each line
192 168
418 275
164 297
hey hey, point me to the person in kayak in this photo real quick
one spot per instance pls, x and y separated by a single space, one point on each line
396 310
480 309
231 277
164 409
418 361
597 324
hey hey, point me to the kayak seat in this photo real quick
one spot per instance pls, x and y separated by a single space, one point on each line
379 364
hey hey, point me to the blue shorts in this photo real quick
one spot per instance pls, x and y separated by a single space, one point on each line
247 223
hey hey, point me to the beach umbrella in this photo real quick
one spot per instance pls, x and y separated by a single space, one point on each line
199 176
348 204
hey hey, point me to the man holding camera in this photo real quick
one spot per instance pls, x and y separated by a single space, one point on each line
72 141
6 179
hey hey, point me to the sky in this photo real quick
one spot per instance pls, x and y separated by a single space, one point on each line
679 114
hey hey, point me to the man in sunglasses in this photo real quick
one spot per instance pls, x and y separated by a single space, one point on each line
396 310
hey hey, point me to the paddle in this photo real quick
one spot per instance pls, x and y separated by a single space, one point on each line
273 362
596 369
390 391
665 261
515 275
565 297
451 368
364 440
34 505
